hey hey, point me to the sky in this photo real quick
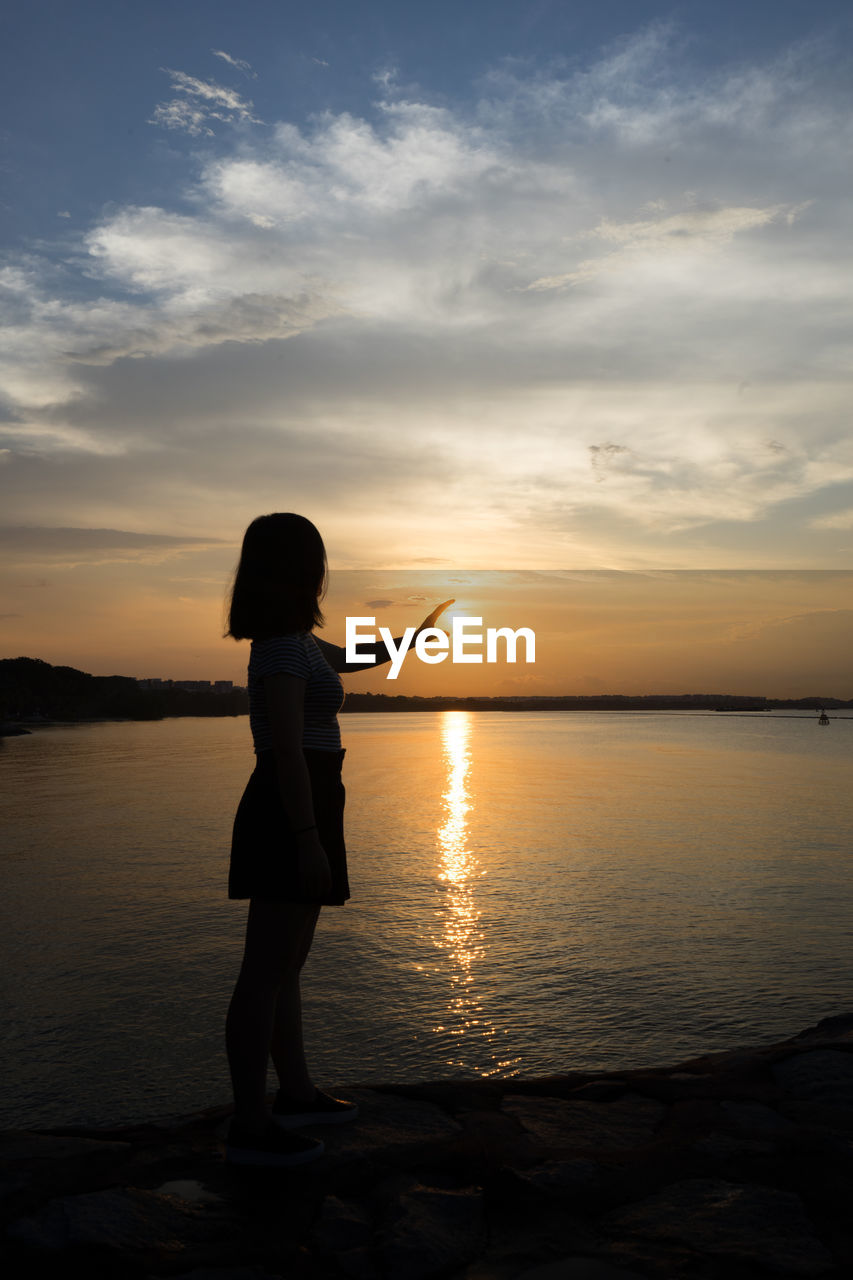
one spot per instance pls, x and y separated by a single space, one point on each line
481 287
776 633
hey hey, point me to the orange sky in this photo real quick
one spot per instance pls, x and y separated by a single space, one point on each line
771 633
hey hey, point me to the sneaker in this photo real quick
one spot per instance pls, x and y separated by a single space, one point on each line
271 1149
320 1110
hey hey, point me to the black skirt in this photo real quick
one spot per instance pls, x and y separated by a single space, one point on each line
264 857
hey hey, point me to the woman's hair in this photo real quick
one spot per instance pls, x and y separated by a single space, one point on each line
280 580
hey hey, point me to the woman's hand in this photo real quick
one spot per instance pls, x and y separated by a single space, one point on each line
314 873
433 617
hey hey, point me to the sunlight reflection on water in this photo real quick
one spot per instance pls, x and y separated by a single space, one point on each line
459 937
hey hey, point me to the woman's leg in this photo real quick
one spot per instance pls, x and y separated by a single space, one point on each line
287 1048
275 949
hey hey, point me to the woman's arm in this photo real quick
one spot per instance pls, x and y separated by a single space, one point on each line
336 656
285 697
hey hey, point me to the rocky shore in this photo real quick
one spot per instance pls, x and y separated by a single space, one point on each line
728 1167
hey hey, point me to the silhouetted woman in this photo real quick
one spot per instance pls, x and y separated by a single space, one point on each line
288 855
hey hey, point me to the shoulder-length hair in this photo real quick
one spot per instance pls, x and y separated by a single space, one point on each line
280 580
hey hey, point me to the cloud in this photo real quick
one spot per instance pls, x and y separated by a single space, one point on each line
605 456
29 543
203 101
589 318
683 235
52 537
386 78
239 63
184 116
397 602
835 520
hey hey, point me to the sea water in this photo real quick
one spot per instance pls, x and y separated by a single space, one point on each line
532 893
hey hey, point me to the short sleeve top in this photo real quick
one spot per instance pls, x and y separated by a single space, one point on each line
297 654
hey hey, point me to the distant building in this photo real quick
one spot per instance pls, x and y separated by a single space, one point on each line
191 686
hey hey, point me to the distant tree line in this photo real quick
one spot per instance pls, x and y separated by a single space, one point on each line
598 702
32 690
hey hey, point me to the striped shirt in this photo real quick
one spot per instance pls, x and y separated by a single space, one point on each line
298 655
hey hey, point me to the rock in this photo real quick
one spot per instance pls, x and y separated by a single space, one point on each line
628 1121
18 1146
227 1273
434 1231
342 1225
358 1263
748 1223
420 1231
124 1219
344 1230
190 1190
578 1269
755 1118
38 1158
397 1196
838 1027
724 1146
563 1175
600 1090
494 1139
388 1125
823 1077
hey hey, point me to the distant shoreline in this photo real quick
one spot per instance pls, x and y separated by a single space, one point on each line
34 693
27 727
